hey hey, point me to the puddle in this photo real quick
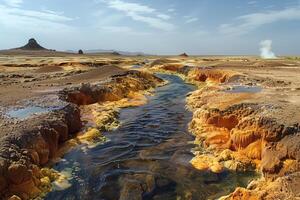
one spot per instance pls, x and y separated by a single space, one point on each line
26 112
243 89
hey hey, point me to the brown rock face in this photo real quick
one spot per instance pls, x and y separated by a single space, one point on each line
282 157
242 194
228 122
30 146
18 173
32 45
216 76
119 87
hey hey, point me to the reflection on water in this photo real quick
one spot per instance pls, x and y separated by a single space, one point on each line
147 157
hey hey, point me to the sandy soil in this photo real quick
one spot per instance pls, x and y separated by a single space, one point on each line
24 77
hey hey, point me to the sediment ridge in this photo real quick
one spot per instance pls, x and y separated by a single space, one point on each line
240 125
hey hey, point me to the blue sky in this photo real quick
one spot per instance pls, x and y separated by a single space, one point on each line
227 27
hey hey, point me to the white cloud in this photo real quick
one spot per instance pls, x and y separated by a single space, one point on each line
116 29
191 20
22 20
246 23
252 2
52 12
122 29
164 16
13 3
46 15
141 13
153 22
171 10
129 7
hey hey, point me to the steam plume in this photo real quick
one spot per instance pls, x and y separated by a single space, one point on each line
266 50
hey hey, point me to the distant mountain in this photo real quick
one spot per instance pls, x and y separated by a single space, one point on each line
184 55
32 45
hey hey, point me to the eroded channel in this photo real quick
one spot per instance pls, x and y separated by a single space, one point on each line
147 157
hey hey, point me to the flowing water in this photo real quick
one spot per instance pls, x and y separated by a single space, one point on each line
147 157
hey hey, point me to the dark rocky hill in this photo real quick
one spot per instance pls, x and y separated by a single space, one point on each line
32 45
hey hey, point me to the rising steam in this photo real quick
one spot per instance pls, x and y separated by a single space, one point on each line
266 50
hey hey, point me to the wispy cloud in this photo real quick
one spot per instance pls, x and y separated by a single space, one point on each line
194 19
171 10
142 13
190 19
30 20
129 7
164 16
13 3
122 29
117 29
246 23
252 2
46 15
152 21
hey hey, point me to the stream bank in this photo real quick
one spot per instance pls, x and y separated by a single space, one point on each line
244 130
147 157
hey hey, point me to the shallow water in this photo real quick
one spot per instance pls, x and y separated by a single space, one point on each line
244 89
147 157
28 111
23 113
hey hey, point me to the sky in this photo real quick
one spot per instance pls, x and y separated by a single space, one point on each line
197 27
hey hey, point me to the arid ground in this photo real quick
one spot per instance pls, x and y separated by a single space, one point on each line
246 114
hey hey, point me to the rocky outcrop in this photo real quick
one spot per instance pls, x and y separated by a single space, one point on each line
280 158
119 87
32 45
29 145
284 187
197 75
